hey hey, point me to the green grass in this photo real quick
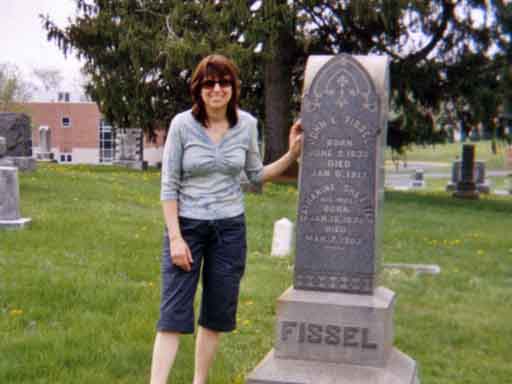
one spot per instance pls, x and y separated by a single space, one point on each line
79 290
447 153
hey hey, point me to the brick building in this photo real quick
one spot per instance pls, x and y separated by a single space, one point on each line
79 134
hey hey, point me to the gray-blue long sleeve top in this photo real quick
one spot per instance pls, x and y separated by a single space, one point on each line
204 177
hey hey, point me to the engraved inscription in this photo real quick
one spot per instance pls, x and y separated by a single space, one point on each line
327 334
337 200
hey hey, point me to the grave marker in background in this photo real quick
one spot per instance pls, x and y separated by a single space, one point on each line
482 184
466 186
10 217
3 149
129 148
45 145
16 129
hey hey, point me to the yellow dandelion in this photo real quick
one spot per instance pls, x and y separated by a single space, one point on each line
480 252
246 322
16 312
151 284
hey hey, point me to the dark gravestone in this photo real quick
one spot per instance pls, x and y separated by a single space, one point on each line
16 129
466 186
337 246
344 335
482 185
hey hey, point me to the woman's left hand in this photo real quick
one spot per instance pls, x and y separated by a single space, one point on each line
295 140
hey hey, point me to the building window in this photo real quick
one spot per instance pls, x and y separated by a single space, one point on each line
65 158
106 142
66 122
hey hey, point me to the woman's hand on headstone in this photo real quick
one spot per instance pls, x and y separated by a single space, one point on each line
180 254
295 139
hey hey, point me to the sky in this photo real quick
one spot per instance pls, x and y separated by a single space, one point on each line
23 41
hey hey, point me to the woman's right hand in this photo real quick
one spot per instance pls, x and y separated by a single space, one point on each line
180 254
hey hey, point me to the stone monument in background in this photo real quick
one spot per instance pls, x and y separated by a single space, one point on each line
16 129
4 162
45 145
10 217
129 148
418 179
482 184
335 325
466 187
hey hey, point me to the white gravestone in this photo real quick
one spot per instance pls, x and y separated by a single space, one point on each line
282 240
45 144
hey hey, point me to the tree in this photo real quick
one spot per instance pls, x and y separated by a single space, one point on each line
139 54
49 78
13 88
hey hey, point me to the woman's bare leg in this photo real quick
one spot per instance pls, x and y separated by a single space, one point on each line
207 343
164 353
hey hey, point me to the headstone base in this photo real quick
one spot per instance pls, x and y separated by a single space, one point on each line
4 162
418 184
450 187
335 327
131 164
484 188
46 157
400 369
15 224
481 188
23 163
468 195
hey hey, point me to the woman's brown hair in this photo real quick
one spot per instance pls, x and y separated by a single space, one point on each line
215 66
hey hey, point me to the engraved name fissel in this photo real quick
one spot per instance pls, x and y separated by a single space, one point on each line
328 334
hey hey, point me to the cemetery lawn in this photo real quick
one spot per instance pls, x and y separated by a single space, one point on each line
79 290
447 153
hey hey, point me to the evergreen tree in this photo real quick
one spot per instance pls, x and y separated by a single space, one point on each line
139 54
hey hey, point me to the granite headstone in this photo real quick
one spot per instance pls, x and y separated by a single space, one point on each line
16 129
129 148
482 184
10 217
418 179
45 146
337 239
466 186
3 149
335 325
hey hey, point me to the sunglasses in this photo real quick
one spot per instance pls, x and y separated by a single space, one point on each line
210 84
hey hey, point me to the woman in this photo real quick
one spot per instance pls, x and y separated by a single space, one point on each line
206 149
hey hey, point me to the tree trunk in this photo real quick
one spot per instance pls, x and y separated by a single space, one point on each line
278 89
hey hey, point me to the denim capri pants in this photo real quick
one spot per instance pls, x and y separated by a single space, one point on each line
220 247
